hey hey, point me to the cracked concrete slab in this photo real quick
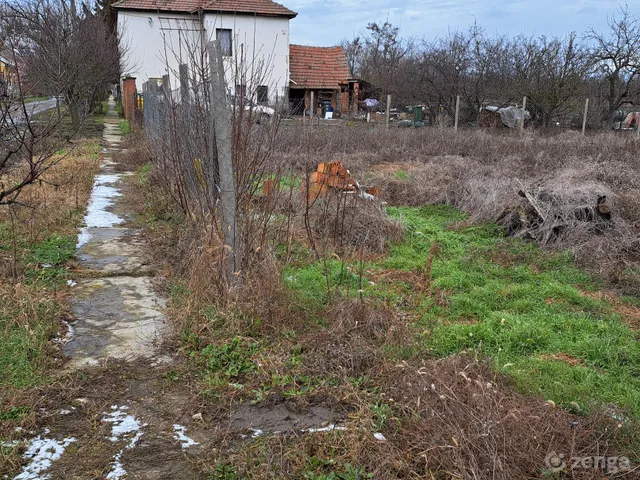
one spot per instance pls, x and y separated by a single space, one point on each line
114 251
117 317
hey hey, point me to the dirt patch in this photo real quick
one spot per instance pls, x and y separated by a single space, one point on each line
76 406
630 314
562 357
282 418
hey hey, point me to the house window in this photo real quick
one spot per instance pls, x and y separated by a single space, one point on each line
241 91
223 35
263 94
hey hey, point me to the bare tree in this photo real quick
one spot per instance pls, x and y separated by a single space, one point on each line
66 53
27 147
617 58
377 57
550 73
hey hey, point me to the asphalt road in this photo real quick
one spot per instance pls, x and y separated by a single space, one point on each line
33 108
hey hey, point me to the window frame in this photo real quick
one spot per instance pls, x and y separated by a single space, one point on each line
229 32
262 94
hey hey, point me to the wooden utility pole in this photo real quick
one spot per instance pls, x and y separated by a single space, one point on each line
524 112
222 134
455 121
388 112
584 116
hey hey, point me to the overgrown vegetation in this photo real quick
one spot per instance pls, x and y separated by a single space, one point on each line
37 244
432 321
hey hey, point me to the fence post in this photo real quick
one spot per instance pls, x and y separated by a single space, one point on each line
584 116
455 122
184 83
524 112
638 122
222 131
388 110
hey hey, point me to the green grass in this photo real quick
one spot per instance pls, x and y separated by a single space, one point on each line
25 342
29 321
125 126
506 299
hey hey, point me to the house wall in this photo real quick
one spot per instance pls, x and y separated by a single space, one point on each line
158 42
260 50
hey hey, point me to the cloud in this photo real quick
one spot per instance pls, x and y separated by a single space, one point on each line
328 22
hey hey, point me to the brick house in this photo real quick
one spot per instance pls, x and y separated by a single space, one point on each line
325 72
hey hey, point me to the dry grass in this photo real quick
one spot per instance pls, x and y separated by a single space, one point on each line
451 418
31 311
59 196
482 172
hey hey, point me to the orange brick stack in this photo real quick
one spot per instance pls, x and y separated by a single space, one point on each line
330 175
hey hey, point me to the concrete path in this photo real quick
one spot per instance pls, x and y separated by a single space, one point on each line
118 314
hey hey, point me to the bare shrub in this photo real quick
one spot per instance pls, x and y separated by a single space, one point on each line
350 347
458 416
483 172
353 222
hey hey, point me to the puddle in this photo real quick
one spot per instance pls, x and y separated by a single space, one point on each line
283 418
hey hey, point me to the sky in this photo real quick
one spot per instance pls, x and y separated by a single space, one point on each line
327 22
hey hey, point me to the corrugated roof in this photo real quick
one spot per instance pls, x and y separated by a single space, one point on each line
317 67
252 7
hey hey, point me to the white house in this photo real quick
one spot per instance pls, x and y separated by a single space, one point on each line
254 34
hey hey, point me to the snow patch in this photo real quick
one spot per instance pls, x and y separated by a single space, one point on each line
101 198
117 470
125 427
42 452
67 336
328 428
179 434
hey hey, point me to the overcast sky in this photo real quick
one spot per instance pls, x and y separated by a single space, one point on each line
326 22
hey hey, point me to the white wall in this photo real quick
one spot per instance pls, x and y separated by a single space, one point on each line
157 43
260 51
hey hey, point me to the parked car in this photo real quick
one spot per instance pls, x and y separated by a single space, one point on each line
260 113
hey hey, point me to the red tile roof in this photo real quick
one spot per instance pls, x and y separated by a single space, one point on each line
252 7
317 67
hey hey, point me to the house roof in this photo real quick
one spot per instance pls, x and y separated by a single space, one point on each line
251 7
317 67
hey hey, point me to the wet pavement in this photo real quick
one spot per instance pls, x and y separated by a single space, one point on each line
116 310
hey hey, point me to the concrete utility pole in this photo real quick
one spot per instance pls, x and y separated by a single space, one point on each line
455 122
222 135
387 113
312 109
584 116
524 112
183 69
